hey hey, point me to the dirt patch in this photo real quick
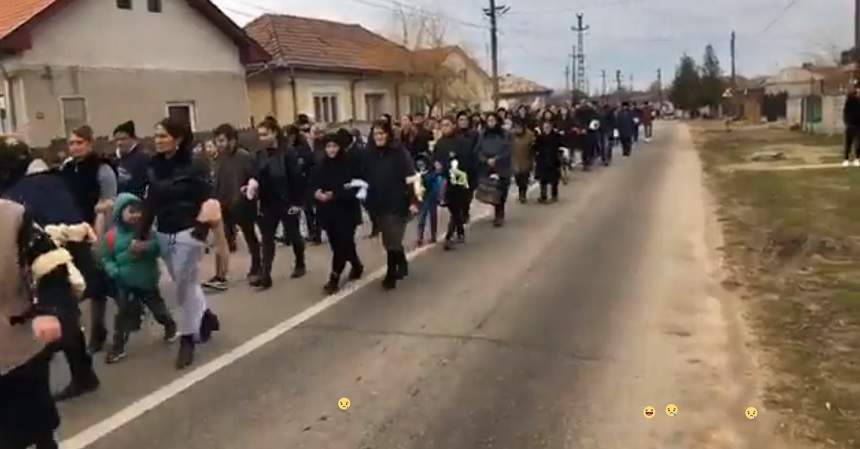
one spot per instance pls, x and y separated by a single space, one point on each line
792 253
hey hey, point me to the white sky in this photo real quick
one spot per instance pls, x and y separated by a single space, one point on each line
635 36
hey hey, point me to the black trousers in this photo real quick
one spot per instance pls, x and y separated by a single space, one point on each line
852 142
504 187
73 344
28 414
457 203
522 180
341 239
636 133
130 303
244 216
314 231
627 145
544 186
268 226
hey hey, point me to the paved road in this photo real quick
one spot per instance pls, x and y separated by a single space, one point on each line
553 332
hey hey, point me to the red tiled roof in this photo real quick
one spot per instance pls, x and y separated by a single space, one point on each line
515 85
302 42
16 14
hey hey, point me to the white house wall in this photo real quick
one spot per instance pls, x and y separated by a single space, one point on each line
97 34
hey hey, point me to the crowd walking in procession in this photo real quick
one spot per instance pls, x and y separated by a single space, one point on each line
100 227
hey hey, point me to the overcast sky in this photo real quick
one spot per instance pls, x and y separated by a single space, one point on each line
635 36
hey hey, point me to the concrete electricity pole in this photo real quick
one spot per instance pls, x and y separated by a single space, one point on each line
580 30
573 72
734 72
603 78
660 86
493 12
567 77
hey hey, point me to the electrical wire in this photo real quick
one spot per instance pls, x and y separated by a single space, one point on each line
419 11
780 16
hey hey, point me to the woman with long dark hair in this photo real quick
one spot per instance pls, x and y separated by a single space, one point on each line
388 168
335 185
494 155
282 198
179 190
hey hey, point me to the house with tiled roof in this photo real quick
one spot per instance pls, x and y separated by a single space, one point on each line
339 72
515 90
450 79
64 63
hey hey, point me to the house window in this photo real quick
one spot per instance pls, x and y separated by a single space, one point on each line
183 111
417 105
154 5
373 106
74 113
325 108
123 4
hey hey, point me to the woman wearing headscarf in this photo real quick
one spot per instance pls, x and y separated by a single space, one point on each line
494 156
548 161
389 171
180 201
335 186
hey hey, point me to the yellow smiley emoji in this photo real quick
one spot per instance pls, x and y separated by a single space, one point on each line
649 412
343 404
672 410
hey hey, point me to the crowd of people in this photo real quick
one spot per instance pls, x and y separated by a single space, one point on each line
96 226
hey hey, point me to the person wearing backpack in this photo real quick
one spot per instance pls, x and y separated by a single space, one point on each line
132 266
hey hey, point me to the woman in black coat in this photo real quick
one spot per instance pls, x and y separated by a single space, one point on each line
338 209
548 160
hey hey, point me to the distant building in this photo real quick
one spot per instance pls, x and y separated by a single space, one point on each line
813 95
515 91
65 63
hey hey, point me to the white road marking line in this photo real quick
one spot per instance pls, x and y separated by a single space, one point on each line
149 402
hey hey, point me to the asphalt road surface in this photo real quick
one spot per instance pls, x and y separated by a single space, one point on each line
552 332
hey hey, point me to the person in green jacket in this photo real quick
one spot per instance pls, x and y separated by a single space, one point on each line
132 266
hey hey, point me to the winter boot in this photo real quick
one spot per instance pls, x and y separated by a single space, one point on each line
333 284
390 281
356 271
402 265
208 324
117 351
185 357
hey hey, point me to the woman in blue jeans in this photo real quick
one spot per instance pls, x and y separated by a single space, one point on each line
178 189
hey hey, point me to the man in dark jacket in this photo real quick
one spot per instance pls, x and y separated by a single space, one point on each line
234 167
471 137
132 161
851 118
423 136
588 136
625 121
494 156
449 148
308 157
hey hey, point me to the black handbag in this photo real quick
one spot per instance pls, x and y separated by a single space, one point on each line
488 191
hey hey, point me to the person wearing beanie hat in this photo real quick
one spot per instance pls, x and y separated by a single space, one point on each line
132 160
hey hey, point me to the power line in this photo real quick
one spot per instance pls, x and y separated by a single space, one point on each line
419 11
780 16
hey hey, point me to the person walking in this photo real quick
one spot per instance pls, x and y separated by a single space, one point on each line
470 136
494 155
432 178
134 271
93 185
851 118
132 160
281 199
637 121
336 185
179 194
626 123
390 175
648 121
452 156
306 157
235 167
29 324
548 161
522 157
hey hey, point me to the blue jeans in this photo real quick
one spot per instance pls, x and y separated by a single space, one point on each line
429 209
182 253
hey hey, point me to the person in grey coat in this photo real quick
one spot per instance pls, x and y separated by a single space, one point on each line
494 157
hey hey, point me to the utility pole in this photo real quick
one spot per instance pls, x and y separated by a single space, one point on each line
580 30
494 12
631 83
660 86
618 85
567 77
573 73
856 52
603 78
734 73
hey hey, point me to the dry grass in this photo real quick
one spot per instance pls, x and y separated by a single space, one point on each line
793 245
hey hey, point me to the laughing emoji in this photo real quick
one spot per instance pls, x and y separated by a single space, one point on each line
649 412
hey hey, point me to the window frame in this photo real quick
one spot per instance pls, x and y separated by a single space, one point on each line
154 6
326 110
64 131
192 110
126 5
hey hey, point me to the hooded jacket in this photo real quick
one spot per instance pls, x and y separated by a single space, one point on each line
139 271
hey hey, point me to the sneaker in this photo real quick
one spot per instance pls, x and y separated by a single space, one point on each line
298 272
217 284
97 341
116 355
846 163
449 245
333 285
263 284
170 333
356 272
